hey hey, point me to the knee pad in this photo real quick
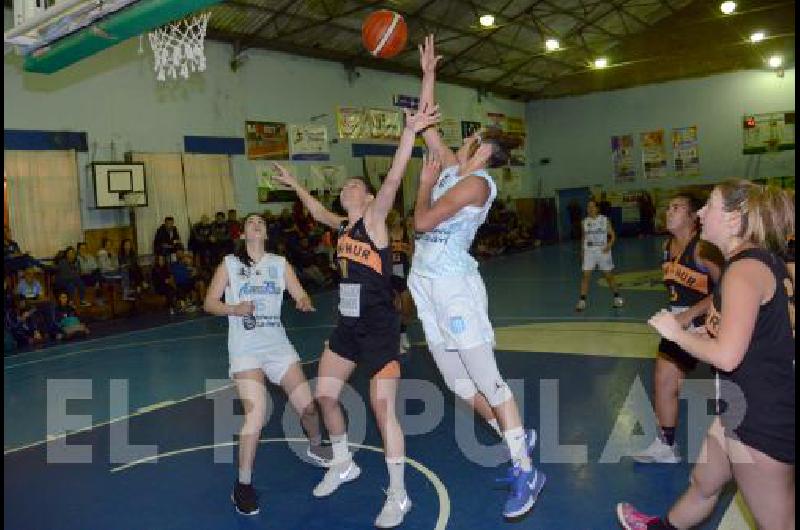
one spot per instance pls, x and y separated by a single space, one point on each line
496 391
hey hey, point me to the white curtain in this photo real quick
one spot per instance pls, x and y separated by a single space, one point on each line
378 166
209 185
166 197
44 200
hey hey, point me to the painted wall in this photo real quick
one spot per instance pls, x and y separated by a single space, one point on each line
114 97
575 133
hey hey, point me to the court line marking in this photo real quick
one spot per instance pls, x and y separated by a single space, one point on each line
139 412
433 478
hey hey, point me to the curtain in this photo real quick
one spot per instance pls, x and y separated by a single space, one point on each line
209 185
44 200
166 197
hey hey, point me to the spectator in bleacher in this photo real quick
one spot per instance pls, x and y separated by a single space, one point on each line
234 226
88 267
302 219
221 242
66 318
129 264
29 287
304 259
111 270
200 241
167 237
13 258
164 283
184 282
68 277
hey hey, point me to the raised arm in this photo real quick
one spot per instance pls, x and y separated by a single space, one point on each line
384 200
315 208
428 61
472 190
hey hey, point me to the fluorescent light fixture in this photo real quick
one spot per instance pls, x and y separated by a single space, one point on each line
600 62
727 7
775 61
486 21
552 44
757 36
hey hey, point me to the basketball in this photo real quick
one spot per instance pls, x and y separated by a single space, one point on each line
384 33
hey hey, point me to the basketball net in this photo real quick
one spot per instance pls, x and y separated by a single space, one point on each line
178 47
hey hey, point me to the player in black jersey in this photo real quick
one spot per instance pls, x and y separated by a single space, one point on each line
749 339
402 250
368 328
691 268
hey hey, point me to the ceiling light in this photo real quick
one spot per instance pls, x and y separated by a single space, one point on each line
758 36
600 62
727 7
775 61
551 44
487 21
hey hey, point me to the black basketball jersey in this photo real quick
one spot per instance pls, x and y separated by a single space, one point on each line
365 272
766 375
687 281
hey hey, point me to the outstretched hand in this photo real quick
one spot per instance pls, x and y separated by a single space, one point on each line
422 119
427 56
283 176
430 170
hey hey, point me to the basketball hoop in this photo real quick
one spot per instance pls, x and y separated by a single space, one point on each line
178 47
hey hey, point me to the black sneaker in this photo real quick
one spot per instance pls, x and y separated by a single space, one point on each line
245 498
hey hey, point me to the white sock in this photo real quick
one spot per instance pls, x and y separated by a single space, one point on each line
496 426
396 467
515 439
245 476
341 453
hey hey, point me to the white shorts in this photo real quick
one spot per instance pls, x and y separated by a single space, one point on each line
597 259
274 362
454 310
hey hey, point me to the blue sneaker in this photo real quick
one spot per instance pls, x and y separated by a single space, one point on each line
525 490
530 444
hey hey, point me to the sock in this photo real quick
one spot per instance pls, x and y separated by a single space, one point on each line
396 467
668 435
583 297
515 439
340 451
245 475
616 295
495 426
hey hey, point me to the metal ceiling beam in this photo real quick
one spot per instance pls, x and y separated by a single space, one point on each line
242 46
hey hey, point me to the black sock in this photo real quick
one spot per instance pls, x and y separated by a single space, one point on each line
616 295
583 297
668 435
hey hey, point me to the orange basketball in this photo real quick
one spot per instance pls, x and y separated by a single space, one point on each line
384 33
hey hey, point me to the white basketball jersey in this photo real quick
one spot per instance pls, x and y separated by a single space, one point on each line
444 250
263 284
595 232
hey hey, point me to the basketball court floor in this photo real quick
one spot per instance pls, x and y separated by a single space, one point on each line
573 372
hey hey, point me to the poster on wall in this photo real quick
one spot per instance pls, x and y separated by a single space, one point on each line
773 131
685 155
622 158
468 128
269 189
309 142
383 124
266 140
654 155
515 127
350 122
326 177
450 130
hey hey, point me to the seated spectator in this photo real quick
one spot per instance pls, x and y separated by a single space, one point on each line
88 267
13 258
304 259
221 242
167 237
67 318
67 277
234 226
163 282
110 268
28 287
185 281
129 264
200 241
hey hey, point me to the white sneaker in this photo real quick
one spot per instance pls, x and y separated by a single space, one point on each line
581 305
337 475
658 453
394 510
405 345
618 301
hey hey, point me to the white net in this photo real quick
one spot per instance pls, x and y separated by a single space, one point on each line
178 47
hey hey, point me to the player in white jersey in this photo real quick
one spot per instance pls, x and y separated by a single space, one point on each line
598 238
449 293
253 282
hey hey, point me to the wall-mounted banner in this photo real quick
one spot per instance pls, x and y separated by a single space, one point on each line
350 122
309 142
654 155
515 127
327 177
624 169
269 189
383 124
773 131
266 140
406 102
685 155
450 129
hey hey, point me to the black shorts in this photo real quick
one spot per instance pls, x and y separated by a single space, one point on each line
370 342
678 355
399 284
